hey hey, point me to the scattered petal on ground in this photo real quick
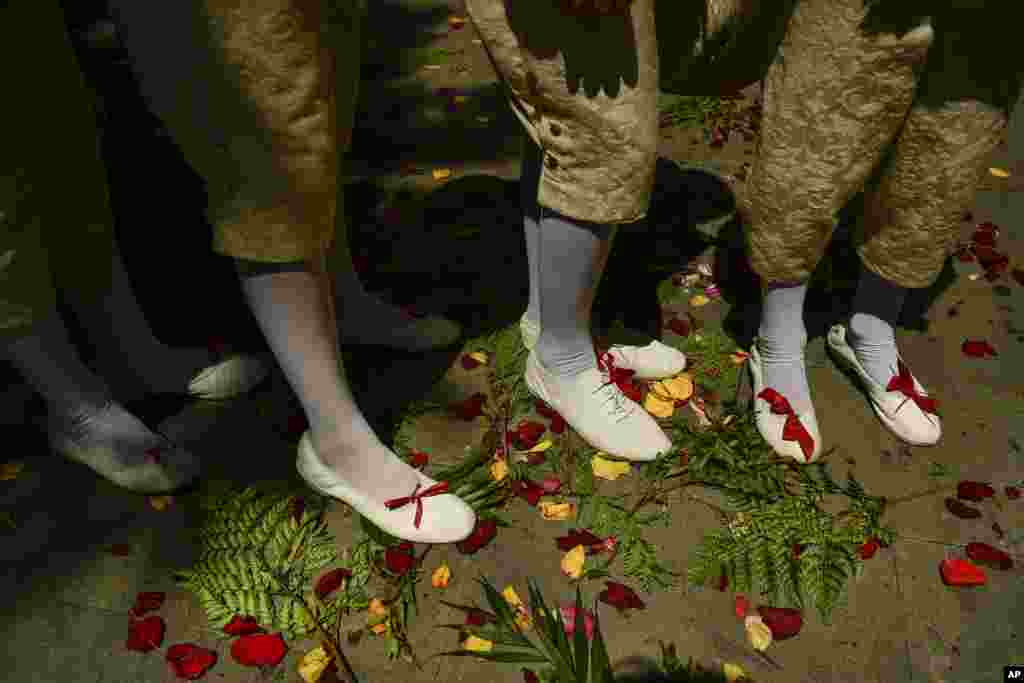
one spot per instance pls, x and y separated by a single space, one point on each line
528 490
742 606
680 327
659 406
441 173
572 562
758 634
313 664
160 503
608 469
477 644
499 469
983 553
961 573
733 672
978 348
620 596
784 622
259 649
418 459
399 559
556 511
974 491
999 173
441 576
189 661
551 485
1012 492
148 601
698 300
568 614
241 626
576 537
146 634
868 549
484 531
470 363
10 470
331 581
456 22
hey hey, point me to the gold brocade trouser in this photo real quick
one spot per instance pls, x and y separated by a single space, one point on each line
837 96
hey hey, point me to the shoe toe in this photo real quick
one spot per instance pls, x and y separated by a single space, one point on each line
233 376
914 426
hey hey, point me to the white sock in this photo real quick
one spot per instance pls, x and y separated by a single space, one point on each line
291 309
781 340
572 257
51 365
876 308
129 355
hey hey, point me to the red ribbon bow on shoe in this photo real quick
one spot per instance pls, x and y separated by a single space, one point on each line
793 430
436 489
620 377
903 382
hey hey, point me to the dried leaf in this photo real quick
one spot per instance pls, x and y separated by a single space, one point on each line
974 491
758 634
572 562
985 554
608 469
455 23
961 510
441 576
313 664
784 622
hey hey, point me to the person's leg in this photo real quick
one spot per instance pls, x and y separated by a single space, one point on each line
912 218
833 99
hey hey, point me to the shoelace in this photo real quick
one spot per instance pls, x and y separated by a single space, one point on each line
606 364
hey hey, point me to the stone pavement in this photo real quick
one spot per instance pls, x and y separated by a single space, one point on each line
68 596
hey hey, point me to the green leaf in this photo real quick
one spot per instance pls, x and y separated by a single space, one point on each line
504 613
601 667
580 636
558 644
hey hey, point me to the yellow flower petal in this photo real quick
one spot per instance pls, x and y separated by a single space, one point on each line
313 664
608 469
999 173
511 597
758 634
499 469
733 672
376 610
160 502
572 562
479 357
459 99
10 470
541 447
658 406
441 576
556 511
477 644
679 387
441 173
698 300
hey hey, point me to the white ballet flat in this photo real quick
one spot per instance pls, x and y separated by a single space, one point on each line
597 409
426 515
789 433
904 407
233 375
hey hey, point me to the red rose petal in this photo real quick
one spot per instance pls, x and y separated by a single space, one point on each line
483 533
148 602
557 424
680 327
1012 492
536 458
977 348
723 583
190 661
985 238
551 485
478 617
868 549
331 581
469 409
298 507
974 491
418 459
242 626
576 537
961 573
545 410
528 433
259 649
620 596
398 559
717 137
784 622
530 491
985 554
530 677
146 634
